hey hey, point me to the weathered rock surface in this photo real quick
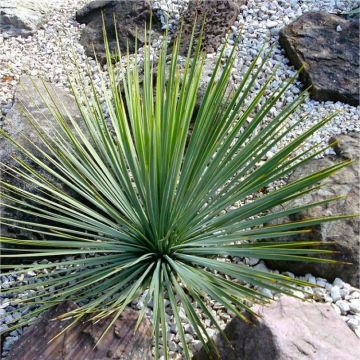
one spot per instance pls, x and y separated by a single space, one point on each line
131 18
29 95
120 342
23 17
219 15
328 48
289 329
344 234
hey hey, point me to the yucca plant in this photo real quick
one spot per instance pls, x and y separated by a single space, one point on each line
150 205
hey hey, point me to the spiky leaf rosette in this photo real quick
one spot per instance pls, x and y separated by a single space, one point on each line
146 202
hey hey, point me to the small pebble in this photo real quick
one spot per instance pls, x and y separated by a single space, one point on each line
338 282
355 306
335 293
343 306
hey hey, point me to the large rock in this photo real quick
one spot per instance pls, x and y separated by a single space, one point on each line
328 48
30 94
33 95
23 17
219 15
77 343
289 330
344 234
131 18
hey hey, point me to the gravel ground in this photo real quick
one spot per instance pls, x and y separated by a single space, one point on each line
45 54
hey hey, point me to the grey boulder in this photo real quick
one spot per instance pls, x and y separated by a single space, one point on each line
31 94
344 234
327 46
23 17
289 329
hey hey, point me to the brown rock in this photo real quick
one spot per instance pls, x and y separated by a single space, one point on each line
328 48
289 329
219 15
344 234
77 343
131 18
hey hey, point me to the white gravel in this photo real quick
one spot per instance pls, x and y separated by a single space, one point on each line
260 22
45 53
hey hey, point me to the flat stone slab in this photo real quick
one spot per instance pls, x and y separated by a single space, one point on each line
77 343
